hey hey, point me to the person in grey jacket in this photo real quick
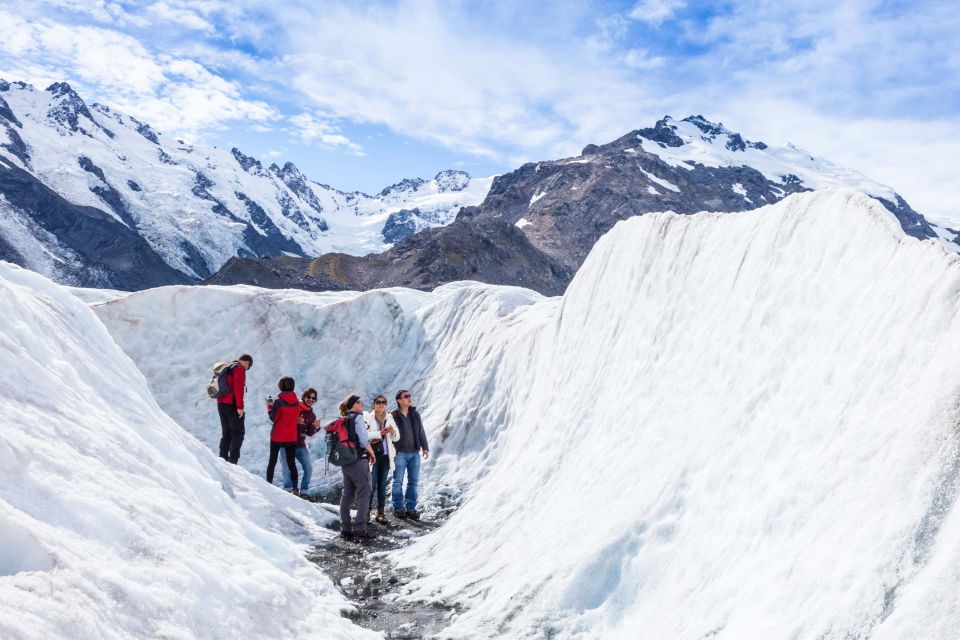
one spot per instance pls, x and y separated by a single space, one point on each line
410 446
356 476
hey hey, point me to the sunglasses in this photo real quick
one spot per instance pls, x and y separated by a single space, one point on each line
380 402
405 397
314 398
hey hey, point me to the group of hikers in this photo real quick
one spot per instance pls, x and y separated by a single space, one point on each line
370 447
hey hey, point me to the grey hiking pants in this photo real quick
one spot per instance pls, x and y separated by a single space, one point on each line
356 484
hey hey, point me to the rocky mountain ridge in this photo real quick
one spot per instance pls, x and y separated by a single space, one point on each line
562 207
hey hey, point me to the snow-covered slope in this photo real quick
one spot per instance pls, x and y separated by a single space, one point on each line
115 523
736 426
699 141
195 206
730 426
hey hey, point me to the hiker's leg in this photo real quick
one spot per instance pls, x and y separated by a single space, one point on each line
272 460
285 470
345 499
363 493
303 455
290 451
223 412
237 432
382 480
400 466
413 480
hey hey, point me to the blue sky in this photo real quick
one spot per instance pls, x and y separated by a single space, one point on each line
360 95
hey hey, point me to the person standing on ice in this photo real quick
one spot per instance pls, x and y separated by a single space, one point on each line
382 431
230 408
411 443
284 412
308 426
356 475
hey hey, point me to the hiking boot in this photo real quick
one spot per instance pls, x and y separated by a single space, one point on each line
413 515
400 514
295 492
347 535
366 536
381 517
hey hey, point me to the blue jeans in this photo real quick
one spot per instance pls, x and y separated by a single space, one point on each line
409 462
303 456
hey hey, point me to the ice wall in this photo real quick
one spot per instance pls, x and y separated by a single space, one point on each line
116 523
731 426
744 426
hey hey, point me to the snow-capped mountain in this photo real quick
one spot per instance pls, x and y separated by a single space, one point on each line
562 207
92 196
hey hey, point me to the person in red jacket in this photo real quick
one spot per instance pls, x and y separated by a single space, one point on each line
309 425
230 408
285 415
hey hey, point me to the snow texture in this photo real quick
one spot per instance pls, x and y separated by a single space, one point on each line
118 524
730 426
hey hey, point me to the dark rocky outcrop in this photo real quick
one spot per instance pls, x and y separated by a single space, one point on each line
488 250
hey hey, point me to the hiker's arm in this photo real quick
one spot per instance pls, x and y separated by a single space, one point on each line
240 378
373 456
423 442
394 432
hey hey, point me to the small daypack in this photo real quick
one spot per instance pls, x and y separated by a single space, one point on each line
341 450
220 383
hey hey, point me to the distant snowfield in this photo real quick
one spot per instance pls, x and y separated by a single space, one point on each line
730 426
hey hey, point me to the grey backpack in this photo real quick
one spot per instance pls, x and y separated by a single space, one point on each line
220 383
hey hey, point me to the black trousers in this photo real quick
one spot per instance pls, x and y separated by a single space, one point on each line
290 450
231 432
380 473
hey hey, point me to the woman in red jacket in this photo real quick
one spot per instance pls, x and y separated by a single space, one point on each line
285 414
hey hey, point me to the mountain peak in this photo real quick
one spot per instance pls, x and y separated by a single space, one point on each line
452 180
61 89
405 185
245 161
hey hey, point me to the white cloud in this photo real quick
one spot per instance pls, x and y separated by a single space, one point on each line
655 11
179 15
176 95
425 71
641 59
315 128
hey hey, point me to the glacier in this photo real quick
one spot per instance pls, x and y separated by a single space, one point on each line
731 425
115 522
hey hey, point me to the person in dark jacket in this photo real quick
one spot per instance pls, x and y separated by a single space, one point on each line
230 408
309 424
285 414
410 445
356 476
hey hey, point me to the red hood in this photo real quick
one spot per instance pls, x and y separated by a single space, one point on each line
289 397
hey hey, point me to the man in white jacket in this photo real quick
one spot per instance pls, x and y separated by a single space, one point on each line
383 432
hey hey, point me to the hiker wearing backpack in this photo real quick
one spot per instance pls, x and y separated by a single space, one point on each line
382 431
410 444
285 414
356 475
228 387
308 426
